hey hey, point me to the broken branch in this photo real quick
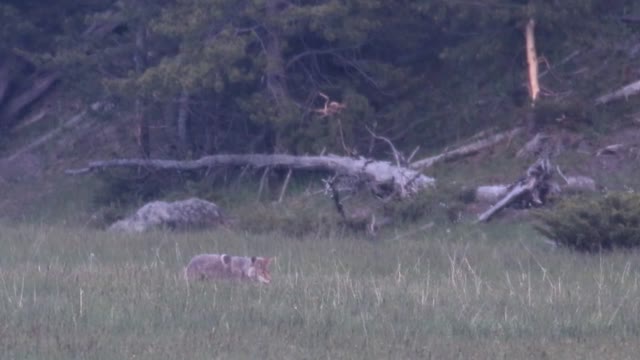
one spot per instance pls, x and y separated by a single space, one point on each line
623 92
396 154
466 150
534 186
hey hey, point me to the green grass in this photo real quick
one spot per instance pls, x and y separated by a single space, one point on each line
467 292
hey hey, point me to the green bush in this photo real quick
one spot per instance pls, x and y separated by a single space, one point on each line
588 224
442 204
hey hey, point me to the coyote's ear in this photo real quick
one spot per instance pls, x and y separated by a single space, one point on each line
253 260
226 259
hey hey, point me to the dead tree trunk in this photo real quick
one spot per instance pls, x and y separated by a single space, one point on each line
532 60
275 71
14 106
184 140
382 177
466 150
531 189
624 92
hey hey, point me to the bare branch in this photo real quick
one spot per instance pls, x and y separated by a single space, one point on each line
611 149
396 154
265 173
413 153
466 150
285 185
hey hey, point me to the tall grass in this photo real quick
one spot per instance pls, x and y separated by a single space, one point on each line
467 292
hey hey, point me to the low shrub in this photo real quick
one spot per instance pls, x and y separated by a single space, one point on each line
443 204
294 217
593 224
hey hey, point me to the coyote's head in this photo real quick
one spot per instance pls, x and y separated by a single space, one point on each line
259 269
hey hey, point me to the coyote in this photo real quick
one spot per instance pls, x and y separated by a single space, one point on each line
223 266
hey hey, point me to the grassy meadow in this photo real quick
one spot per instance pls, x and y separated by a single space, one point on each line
482 292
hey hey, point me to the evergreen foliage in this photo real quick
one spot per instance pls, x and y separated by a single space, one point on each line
249 73
588 224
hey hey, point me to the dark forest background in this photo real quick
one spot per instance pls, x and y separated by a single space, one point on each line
185 78
180 79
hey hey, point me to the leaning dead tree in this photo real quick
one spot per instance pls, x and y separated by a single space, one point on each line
530 190
622 93
18 91
534 186
473 148
382 177
532 60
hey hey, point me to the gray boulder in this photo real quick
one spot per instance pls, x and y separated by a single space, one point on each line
185 214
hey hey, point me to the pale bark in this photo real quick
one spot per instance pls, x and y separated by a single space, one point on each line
532 60
534 187
405 181
490 193
466 150
263 180
624 92
578 183
535 146
611 149
517 191
285 185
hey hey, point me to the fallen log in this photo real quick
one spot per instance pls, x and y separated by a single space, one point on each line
573 184
466 150
623 92
611 149
380 175
532 189
577 184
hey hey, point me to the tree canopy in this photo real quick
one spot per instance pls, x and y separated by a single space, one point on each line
259 75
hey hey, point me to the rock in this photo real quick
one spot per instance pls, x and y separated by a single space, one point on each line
185 214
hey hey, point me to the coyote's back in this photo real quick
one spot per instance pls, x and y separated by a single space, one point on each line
223 266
